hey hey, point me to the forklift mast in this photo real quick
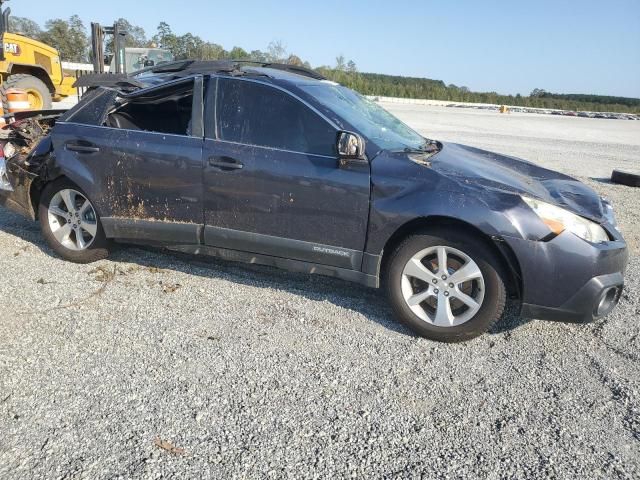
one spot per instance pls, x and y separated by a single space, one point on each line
98 33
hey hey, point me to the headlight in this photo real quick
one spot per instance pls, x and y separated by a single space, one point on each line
558 220
4 180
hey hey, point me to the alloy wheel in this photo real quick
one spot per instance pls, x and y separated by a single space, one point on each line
72 220
443 286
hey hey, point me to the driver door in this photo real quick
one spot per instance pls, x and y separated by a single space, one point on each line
272 181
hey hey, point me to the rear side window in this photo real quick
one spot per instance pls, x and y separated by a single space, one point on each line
162 110
92 110
254 114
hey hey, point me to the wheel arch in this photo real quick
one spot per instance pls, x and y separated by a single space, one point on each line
33 70
507 257
38 186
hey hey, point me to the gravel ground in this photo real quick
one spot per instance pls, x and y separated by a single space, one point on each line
152 365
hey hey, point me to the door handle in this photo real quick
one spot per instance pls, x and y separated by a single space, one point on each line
225 163
82 148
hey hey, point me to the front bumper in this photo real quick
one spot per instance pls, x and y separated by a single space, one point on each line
568 279
596 299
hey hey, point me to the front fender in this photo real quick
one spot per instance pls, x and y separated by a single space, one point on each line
403 194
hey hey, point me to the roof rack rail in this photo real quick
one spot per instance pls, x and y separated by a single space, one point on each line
306 72
174 66
228 66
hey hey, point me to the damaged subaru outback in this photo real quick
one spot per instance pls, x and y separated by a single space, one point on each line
276 165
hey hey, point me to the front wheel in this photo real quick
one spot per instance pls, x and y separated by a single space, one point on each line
446 286
70 223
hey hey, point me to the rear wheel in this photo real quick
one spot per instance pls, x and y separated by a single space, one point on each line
37 91
445 286
70 223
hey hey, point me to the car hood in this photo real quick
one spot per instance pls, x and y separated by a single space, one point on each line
476 168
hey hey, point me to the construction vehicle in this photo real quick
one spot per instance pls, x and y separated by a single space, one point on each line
31 66
138 58
123 60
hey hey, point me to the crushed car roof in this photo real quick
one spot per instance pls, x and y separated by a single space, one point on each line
226 66
188 68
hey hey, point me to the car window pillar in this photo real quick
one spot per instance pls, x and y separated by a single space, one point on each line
210 110
197 110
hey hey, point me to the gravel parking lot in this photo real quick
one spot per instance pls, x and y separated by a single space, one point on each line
153 365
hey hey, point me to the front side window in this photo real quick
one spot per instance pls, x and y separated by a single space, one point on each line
255 114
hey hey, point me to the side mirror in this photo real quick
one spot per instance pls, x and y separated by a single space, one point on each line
350 146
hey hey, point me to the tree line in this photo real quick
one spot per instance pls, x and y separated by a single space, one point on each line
408 87
71 39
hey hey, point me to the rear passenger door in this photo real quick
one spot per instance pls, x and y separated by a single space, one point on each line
272 181
146 185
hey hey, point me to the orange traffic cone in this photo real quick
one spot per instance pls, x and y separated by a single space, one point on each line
17 100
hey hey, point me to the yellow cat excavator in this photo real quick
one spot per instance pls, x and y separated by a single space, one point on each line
31 66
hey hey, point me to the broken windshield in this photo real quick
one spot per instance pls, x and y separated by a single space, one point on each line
373 121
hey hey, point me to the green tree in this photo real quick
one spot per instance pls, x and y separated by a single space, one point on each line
295 60
163 34
212 51
25 26
188 46
135 36
238 53
258 56
69 37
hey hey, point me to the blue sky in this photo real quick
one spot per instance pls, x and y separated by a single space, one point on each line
580 46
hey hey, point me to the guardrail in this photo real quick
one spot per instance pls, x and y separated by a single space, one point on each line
511 108
424 101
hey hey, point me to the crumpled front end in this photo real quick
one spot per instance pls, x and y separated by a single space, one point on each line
15 188
24 148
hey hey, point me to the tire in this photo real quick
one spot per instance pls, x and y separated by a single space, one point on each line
486 292
81 238
626 178
32 85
